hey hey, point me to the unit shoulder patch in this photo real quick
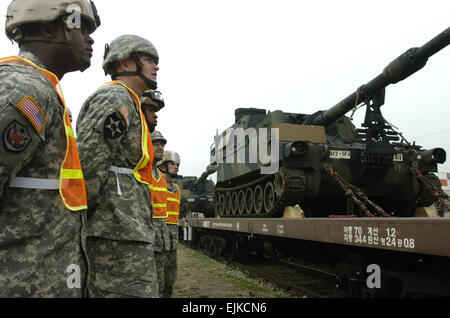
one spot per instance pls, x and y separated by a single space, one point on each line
33 112
114 126
16 137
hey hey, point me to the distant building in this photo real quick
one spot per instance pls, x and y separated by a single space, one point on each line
445 182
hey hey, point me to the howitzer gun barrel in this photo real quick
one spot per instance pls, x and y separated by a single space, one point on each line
209 170
402 67
200 180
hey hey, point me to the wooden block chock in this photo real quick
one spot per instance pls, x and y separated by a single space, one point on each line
291 212
428 212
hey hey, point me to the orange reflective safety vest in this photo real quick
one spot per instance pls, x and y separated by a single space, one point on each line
159 197
71 180
173 206
143 171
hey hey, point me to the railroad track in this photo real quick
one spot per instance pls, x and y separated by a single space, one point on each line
300 278
306 280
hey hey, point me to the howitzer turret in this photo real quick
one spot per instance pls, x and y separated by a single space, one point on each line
324 163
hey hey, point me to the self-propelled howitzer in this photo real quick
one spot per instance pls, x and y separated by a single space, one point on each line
197 193
324 163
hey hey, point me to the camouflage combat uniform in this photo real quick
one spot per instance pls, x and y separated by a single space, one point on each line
120 233
40 240
162 252
171 267
162 247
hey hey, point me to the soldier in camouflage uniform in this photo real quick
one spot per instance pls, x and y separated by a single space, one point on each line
152 102
116 155
169 166
159 201
42 212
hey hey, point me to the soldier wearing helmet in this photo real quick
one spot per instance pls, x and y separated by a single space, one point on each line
159 202
43 236
152 102
60 29
116 153
170 163
169 166
131 56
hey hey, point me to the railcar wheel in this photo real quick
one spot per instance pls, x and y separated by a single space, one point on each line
213 249
204 244
234 250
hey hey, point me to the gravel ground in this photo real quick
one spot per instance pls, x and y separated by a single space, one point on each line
202 277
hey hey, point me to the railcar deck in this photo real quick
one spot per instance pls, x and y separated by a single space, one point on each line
413 235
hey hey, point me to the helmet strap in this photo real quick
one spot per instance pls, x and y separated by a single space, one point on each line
75 52
164 165
150 83
26 39
66 39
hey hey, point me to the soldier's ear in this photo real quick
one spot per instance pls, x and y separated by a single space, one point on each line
124 66
163 167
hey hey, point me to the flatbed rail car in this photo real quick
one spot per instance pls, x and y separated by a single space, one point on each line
412 253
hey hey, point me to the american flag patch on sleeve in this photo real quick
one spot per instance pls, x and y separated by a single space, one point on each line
125 114
33 112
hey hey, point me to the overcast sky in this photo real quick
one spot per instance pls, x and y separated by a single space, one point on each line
295 56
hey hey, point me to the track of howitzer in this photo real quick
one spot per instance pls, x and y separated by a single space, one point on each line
264 197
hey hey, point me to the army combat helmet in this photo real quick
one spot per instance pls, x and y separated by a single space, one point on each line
156 135
153 99
73 14
125 47
169 156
